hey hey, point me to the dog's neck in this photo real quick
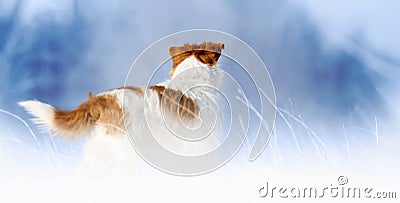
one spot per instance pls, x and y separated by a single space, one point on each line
192 75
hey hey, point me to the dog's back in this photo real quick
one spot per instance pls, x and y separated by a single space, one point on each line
108 119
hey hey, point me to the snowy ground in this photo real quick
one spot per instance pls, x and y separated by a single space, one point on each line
43 173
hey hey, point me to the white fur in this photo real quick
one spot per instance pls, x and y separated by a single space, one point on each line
43 113
104 154
188 74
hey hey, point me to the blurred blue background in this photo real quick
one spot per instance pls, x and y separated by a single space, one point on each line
334 63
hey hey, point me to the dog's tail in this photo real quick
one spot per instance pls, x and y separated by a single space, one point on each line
77 122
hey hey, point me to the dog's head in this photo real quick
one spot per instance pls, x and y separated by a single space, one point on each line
207 53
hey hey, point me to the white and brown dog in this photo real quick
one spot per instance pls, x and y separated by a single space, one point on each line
109 117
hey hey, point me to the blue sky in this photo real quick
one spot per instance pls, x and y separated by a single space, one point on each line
335 63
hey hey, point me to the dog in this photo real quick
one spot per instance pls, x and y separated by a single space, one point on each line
176 106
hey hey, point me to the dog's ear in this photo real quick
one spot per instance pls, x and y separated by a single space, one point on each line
220 46
173 51
209 53
208 57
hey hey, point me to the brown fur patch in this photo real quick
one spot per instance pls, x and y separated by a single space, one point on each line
206 52
176 102
101 110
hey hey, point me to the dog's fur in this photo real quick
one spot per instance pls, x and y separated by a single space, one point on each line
107 118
